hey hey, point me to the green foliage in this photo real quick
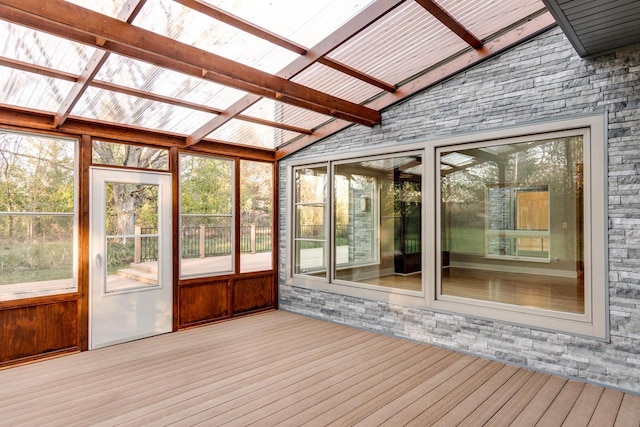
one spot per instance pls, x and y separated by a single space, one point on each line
34 262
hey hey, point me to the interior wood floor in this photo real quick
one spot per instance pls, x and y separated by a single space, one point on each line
529 290
278 368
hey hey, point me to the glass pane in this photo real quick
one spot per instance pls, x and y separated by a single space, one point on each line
310 221
377 213
206 221
36 252
256 216
511 223
37 205
131 220
134 156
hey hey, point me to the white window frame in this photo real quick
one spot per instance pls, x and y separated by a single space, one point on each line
594 321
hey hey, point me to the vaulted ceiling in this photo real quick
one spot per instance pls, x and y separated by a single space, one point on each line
271 75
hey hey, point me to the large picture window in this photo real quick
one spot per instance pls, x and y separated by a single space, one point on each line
526 220
37 215
521 228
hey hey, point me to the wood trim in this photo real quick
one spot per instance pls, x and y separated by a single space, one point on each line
85 154
236 215
275 235
174 167
42 300
28 120
37 69
516 35
145 45
450 22
345 69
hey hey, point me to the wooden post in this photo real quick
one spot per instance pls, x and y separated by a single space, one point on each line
201 240
253 239
137 245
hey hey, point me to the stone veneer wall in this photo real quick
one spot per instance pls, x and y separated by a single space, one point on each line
542 78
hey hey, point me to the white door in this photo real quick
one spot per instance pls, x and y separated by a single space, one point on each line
130 249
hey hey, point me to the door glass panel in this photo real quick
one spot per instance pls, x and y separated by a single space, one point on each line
131 224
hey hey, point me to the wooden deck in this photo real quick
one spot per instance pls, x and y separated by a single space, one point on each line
282 369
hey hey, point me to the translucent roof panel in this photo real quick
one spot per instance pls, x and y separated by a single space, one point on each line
303 22
328 80
149 78
28 90
409 35
246 133
110 8
109 106
275 111
175 21
487 17
33 47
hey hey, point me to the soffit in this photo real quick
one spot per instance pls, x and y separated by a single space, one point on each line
275 75
595 27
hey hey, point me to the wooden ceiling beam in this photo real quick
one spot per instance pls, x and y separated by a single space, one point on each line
37 69
241 24
127 14
343 68
450 22
353 27
63 18
33 120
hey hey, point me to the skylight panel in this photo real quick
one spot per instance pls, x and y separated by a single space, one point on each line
26 45
106 7
29 90
252 134
160 81
304 22
268 109
486 17
328 80
185 25
115 107
400 45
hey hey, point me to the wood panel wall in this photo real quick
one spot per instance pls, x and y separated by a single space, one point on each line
36 328
207 300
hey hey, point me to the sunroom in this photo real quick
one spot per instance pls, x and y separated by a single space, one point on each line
461 174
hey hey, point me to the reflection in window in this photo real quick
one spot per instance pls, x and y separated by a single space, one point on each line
310 242
256 216
206 215
37 215
377 211
518 222
131 227
511 223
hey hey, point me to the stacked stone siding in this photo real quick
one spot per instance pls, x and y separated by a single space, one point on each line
542 78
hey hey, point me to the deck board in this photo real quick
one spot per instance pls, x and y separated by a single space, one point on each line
279 368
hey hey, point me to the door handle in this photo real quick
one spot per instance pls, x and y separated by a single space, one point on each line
98 260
